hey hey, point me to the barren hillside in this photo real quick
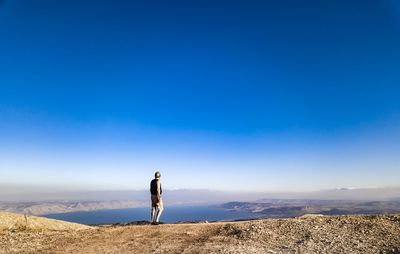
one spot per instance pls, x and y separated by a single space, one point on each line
308 234
14 222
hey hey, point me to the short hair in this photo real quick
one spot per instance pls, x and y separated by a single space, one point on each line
157 174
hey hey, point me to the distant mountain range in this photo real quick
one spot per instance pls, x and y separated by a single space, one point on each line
286 208
277 208
289 204
53 207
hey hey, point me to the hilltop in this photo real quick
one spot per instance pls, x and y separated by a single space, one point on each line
306 234
15 222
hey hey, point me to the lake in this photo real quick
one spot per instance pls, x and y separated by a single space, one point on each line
170 215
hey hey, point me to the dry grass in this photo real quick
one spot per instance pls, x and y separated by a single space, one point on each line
20 222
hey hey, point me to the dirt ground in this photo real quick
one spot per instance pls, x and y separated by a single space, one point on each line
309 234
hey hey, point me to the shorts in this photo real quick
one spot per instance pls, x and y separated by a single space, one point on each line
156 202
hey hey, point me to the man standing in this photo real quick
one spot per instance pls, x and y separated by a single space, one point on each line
156 201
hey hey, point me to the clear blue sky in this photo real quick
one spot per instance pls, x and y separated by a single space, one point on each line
230 95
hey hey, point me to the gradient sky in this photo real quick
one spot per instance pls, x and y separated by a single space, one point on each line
229 95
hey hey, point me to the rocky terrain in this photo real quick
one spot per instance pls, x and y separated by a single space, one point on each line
306 234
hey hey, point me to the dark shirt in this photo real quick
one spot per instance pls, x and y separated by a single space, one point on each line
153 187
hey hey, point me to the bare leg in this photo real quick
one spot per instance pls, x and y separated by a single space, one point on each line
153 211
160 210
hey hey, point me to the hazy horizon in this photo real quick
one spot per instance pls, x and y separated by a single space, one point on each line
189 196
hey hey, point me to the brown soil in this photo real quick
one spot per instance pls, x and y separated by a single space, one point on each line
308 234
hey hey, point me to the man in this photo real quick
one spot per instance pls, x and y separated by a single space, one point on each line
156 201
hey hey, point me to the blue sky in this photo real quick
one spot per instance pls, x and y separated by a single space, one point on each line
229 95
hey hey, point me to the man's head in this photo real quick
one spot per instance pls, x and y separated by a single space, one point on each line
157 175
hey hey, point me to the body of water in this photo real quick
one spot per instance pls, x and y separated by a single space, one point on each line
170 215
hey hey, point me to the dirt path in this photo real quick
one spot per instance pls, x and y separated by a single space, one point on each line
326 234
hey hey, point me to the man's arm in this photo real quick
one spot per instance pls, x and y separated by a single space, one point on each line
158 188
